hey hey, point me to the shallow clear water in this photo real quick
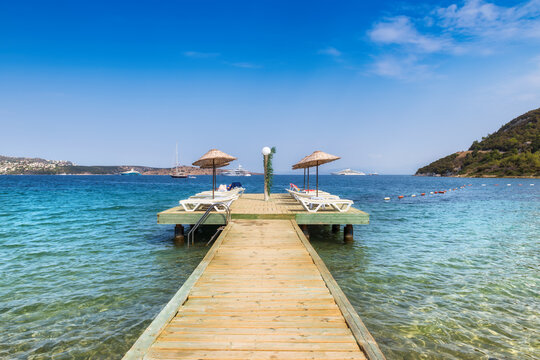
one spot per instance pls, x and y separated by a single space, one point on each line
84 267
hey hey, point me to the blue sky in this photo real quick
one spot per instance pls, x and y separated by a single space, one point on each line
388 86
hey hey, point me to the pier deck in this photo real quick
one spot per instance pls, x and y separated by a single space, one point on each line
261 292
279 207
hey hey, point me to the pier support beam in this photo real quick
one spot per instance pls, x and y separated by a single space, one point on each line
348 233
179 234
335 228
305 230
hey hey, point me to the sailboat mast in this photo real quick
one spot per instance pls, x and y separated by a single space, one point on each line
176 168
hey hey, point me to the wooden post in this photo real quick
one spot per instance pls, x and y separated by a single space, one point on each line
335 228
305 230
348 233
179 234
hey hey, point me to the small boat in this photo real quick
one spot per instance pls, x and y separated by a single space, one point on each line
349 172
178 174
191 177
239 171
130 172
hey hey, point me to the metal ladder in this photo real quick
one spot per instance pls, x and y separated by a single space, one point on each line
191 234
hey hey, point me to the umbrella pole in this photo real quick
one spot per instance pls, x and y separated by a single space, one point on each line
304 178
308 180
317 178
213 177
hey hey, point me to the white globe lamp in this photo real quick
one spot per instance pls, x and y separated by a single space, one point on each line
266 151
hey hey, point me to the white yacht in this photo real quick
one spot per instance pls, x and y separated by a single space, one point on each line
178 174
239 171
348 172
130 172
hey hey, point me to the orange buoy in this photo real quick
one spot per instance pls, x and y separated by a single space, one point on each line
400 197
422 194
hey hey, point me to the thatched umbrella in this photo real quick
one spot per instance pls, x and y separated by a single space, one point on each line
316 159
214 159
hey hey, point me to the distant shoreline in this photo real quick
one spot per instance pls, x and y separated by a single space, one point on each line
260 174
194 174
480 176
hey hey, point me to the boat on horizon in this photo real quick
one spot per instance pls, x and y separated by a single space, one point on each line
178 174
130 172
239 171
349 172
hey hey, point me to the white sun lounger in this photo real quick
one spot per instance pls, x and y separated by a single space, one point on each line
314 204
322 194
217 195
235 191
194 204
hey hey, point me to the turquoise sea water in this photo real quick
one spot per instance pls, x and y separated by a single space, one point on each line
84 267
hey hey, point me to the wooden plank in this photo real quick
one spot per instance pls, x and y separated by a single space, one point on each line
260 313
183 217
297 331
167 342
254 355
309 338
325 218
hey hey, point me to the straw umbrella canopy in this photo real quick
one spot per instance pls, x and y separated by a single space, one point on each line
316 159
214 159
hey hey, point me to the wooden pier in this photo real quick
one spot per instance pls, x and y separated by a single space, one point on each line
261 292
279 207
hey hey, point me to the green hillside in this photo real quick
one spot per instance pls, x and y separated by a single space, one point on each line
514 150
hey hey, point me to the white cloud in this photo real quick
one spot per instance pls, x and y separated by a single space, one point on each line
332 51
475 27
472 14
401 31
200 55
245 65
482 19
404 68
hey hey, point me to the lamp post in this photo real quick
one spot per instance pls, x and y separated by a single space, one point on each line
266 151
